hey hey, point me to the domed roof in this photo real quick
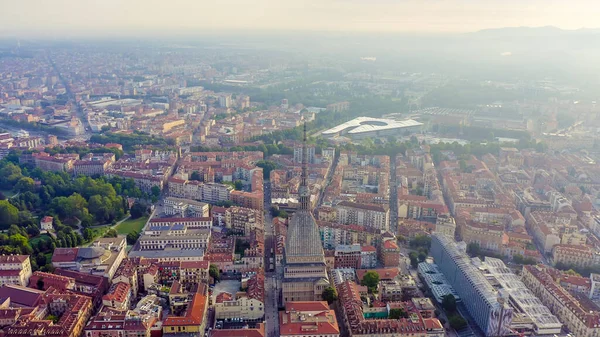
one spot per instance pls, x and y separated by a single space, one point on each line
91 252
303 238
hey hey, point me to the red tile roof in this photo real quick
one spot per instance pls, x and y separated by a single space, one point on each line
368 249
13 258
23 296
256 287
384 273
295 320
65 254
223 297
389 244
56 281
118 292
194 314
258 332
195 264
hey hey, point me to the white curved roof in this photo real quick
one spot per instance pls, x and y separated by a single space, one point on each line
363 124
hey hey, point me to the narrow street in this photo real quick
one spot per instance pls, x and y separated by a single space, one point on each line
328 179
272 276
78 113
393 197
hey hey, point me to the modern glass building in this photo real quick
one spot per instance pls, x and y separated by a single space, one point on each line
485 304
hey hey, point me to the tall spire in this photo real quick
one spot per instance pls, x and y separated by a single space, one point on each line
303 189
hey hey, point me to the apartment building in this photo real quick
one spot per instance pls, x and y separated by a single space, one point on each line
314 319
56 163
249 305
191 223
582 319
368 215
178 207
572 255
15 269
177 236
242 220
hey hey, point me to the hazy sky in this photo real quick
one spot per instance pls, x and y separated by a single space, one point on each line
137 16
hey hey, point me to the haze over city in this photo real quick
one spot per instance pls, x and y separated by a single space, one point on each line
308 168
147 17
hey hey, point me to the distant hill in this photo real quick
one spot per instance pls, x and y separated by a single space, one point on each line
533 32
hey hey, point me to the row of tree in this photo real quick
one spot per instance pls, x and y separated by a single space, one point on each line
85 199
420 245
132 141
84 150
583 271
474 250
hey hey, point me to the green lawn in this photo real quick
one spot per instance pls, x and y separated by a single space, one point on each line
8 193
132 225
35 240
98 231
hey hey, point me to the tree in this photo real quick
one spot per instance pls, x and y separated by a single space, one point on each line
238 185
449 303
520 259
40 259
111 233
40 283
274 211
195 176
370 279
33 230
397 313
53 318
414 259
213 271
132 237
88 234
422 256
9 214
268 165
572 272
457 322
473 249
283 214
155 191
9 175
99 208
330 295
419 191
14 229
137 210
420 241
25 184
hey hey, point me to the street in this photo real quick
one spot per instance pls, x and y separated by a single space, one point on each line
79 112
272 287
393 186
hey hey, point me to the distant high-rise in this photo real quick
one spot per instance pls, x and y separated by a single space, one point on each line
284 104
225 101
305 274
299 154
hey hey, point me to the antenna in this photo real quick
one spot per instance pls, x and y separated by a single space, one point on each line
304 192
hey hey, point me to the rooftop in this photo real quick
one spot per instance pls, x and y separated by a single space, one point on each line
307 318
369 124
